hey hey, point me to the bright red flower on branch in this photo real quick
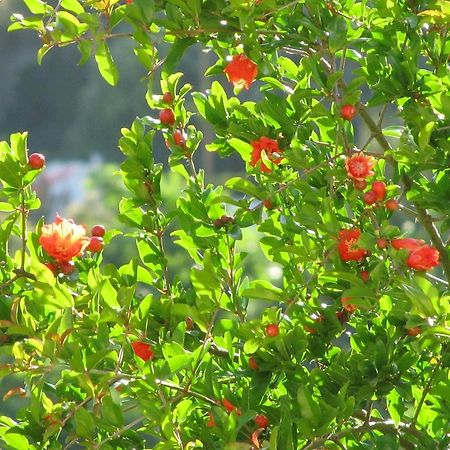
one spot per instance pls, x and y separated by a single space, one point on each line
348 245
241 71
270 147
63 239
143 350
359 166
420 255
424 258
409 244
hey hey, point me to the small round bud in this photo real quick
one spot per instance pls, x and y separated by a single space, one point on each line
370 198
167 117
95 244
167 98
98 230
36 161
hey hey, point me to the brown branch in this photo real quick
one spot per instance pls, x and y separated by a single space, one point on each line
8 282
387 426
164 383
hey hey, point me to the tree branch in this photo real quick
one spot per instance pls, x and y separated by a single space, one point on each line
387 426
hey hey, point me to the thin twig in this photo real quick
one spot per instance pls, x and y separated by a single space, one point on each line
387 426
8 282
120 431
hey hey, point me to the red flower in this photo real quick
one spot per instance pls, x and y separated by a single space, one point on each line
348 245
359 166
270 146
241 71
420 255
349 307
424 258
63 239
409 244
143 350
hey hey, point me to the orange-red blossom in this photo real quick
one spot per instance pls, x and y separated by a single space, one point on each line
63 239
348 245
359 166
421 256
241 71
270 147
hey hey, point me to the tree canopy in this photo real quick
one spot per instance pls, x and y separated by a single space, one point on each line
348 346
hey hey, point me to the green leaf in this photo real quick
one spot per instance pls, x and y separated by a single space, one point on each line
395 406
177 363
285 438
288 65
422 294
335 277
106 65
367 241
6 207
337 33
72 6
309 409
206 278
15 441
242 147
112 412
10 171
19 146
176 52
245 186
84 423
263 290
251 346
109 294
85 48
35 6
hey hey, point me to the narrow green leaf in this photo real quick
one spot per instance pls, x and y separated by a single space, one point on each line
106 66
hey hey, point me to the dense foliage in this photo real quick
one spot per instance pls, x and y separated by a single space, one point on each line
349 348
